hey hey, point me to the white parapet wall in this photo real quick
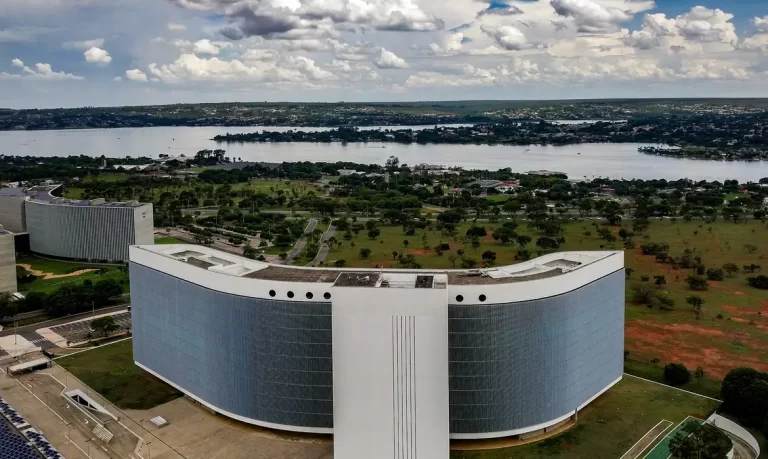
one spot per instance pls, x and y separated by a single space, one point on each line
736 430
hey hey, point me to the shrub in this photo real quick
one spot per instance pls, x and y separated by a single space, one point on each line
760 282
653 248
676 374
697 283
663 300
715 274
642 293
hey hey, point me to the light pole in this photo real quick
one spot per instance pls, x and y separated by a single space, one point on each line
88 442
143 430
149 450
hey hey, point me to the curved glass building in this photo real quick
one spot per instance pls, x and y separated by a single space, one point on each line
394 363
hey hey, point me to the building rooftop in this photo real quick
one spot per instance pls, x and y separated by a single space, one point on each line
546 266
43 194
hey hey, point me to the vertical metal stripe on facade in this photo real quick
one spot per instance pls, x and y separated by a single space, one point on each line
98 233
404 386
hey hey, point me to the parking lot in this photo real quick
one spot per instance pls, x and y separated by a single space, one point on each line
78 331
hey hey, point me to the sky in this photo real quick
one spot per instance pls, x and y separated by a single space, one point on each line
72 53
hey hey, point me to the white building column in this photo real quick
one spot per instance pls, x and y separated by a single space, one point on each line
390 371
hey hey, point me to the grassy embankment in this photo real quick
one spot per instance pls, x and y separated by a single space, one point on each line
63 268
110 371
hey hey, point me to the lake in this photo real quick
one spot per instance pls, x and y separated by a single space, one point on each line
595 160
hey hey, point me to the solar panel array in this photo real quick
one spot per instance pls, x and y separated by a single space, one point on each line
29 446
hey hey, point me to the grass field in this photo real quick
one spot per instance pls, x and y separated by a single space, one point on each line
168 240
110 371
610 425
270 187
731 331
60 267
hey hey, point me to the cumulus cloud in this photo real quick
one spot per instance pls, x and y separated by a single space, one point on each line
285 69
509 37
267 18
449 44
173 27
38 71
700 25
205 47
591 16
761 24
389 60
83 44
135 75
97 56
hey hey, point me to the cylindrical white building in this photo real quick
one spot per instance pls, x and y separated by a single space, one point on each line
394 363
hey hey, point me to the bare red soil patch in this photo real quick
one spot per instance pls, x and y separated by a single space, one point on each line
739 320
738 293
685 343
420 252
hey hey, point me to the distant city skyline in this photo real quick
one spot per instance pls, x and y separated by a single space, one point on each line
68 53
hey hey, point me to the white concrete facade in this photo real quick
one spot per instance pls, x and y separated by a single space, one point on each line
390 373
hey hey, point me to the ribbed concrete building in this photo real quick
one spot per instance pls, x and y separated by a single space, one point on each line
93 230
7 262
393 363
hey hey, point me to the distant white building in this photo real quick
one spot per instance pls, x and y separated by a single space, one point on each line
346 172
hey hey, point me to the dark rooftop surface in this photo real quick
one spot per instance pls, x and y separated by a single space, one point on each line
290 273
357 279
200 263
464 278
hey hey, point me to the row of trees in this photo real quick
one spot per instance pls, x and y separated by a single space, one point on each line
66 300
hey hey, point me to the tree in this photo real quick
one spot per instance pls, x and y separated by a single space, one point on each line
489 257
8 306
715 274
760 282
697 283
468 263
365 253
374 233
700 441
750 248
612 212
659 280
695 301
340 263
628 272
504 234
547 243
476 231
731 268
523 241
676 374
699 373
249 251
452 259
105 325
642 293
405 243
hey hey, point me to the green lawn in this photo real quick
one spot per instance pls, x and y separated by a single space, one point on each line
168 240
270 187
110 371
610 425
65 267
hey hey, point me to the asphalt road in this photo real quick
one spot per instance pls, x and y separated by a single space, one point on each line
296 250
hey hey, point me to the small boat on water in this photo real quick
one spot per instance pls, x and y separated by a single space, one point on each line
578 153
